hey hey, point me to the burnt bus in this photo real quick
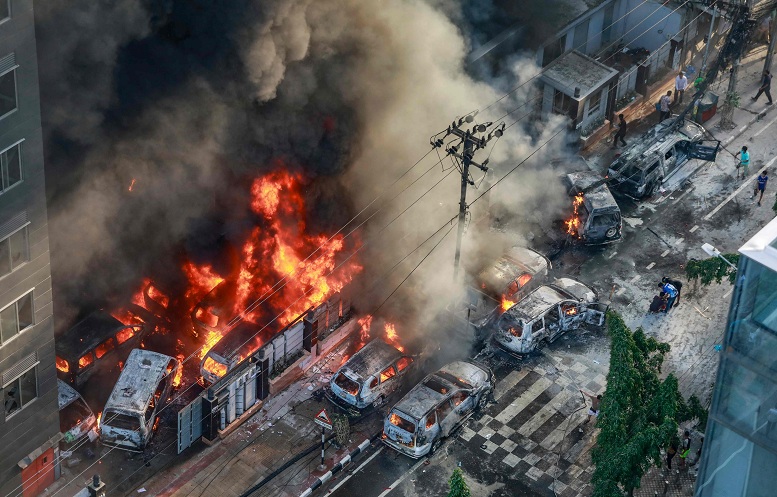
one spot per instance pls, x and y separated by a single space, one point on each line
98 343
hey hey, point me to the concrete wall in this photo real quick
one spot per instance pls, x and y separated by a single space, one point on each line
29 428
650 25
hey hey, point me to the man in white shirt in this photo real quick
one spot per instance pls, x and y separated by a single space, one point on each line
680 85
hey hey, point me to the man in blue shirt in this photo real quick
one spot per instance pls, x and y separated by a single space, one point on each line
671 291
760 185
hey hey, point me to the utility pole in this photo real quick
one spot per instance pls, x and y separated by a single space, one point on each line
469 142
703 70
731 99
772 37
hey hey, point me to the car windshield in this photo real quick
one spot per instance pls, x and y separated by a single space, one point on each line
437 385
346 384
400 422
508 322
72 415
121 421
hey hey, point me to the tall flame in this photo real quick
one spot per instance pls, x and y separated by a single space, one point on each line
573 223
392 337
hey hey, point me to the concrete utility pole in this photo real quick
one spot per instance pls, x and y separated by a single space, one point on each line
727 117
469 142
703 70
772 37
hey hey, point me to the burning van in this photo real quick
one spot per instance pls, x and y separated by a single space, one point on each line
98 343
546 314
131 413
510 278
434 408
596 218
369 377
76 419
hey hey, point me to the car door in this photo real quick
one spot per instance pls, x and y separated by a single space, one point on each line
706 150
446 417
387 381
463 403
596 313
571 315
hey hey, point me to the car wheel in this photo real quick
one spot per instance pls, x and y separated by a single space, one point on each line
611 232
435 446
379 402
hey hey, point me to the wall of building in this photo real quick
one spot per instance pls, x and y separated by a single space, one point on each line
27 429
650 24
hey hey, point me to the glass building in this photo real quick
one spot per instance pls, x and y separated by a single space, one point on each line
740 448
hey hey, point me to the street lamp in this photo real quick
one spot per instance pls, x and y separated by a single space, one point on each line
713 252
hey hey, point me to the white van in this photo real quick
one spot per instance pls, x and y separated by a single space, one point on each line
129 417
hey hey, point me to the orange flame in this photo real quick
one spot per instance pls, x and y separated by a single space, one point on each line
62 365
507 304
573 223
392 337
178 371
364 325
125 334
214 367
132 185
99 415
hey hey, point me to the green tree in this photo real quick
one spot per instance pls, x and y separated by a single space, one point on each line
457 484
639 412
706 271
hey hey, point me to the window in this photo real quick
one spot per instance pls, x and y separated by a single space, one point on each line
562 103
669 153
404 362
607 31
20 392
581 36
595 104
430 421
7 92
14 252
537 326
16 318
443 411
387 374
553 50
459 397
104 348
5 10
10 166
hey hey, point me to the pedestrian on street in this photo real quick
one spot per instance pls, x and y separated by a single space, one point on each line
678 285
680 85
671 291
766 85
685 448
760 185
622 126
659 303
593 412
743 165
671 451
664 106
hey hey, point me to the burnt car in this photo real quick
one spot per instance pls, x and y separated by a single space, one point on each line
507 280
597 218
369 377
658 154
131 413
434 408
76 419
98 343
546 314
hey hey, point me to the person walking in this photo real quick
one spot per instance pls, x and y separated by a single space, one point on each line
671 451
766 85
593 412
760 185
665 106
680 85
744 162
671 291
678 285
622 126
685 448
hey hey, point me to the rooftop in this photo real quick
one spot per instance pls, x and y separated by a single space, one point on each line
762 247
576 70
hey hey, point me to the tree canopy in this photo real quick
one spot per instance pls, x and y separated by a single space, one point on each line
706 271
458 487
639 411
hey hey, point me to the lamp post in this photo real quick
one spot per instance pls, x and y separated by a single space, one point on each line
713 252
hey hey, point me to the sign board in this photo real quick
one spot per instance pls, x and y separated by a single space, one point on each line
322 418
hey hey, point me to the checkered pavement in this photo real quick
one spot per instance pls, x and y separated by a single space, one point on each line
537 434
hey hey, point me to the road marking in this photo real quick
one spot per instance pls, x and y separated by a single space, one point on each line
728 293
402 478
746 184
634 279
650 266
612 255
679 241
621 291
353 473
524 400
664 253
764 128
695 227
681 196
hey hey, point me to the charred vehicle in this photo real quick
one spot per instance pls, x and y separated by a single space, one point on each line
76 419
644 166
98 343
434 408
546 314
369 377
597 217
510 278
130 415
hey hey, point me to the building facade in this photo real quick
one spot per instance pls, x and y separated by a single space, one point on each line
29 418
740 447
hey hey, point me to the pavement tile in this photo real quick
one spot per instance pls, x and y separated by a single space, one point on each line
497 438
508 445
466 433
543 465
534 473
532 459
505 431
557 487
511 460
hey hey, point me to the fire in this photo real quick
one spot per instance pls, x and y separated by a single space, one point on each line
132 185
99 415
392 337
202 279
85 360
571 311
506 303
158 296
394 419
574 222
62 365
126 317
364 328
125 334
214 367
178 371
211 340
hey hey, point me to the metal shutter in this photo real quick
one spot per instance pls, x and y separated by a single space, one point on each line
19 368
7 63
14 224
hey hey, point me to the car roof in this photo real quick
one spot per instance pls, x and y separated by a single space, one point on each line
137 383
512 264
371 359
87 334
596 195
543 298
66 394
647 145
